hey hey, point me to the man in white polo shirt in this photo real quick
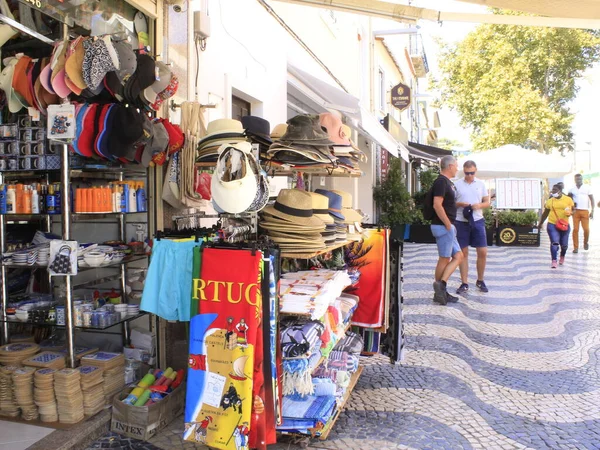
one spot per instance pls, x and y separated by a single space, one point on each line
471 199
584 200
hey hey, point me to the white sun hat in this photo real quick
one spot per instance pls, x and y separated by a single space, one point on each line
233 184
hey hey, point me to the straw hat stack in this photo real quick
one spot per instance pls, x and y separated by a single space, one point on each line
219 132
291 223
304 144
321 210
335 211
352 218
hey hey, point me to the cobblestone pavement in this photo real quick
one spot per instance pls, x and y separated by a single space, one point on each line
515 368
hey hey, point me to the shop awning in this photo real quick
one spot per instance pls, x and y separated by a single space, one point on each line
512 161
418 154
330 97
427 152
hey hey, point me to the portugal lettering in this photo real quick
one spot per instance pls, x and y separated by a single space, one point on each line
232 292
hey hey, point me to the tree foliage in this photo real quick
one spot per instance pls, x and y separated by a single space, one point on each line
449 144
512 84
393 198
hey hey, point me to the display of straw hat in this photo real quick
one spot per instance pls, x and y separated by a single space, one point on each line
350 214
294 206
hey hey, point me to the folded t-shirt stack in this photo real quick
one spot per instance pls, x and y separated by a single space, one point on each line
311 292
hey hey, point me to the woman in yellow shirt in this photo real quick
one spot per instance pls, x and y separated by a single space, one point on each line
558 207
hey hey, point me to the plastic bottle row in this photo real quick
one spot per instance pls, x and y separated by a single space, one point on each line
37 198
30 198
123 196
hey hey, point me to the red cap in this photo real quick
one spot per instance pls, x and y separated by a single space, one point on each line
87 137
176 137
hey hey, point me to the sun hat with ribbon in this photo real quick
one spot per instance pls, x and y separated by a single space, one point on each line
219 142
350 214
222 129
294 206
333 124
233 184
335 203
320 205
270 222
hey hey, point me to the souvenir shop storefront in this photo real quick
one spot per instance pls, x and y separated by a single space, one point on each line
125 233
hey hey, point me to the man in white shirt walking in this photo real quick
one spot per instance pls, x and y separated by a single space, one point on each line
584 200
471 199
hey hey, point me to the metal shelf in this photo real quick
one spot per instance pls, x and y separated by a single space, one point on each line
46 324
81 269
66 218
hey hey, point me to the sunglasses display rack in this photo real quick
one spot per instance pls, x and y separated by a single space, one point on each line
69 219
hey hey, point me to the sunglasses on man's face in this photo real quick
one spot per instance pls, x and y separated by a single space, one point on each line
469 173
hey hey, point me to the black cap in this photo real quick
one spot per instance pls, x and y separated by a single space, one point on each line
143 77
258 129
128 128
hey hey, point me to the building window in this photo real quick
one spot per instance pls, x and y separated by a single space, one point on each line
239 108
382 91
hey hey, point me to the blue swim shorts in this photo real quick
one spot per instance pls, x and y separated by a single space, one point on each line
168 286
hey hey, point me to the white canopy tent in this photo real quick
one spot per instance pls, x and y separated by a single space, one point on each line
512 161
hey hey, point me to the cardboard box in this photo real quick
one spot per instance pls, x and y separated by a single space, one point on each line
143 422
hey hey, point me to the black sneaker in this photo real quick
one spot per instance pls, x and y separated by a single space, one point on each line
440 299
481 285
451 298
439 292
463 289
586 246
575 250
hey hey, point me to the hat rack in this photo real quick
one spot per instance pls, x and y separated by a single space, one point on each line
174 106
192 219
13 23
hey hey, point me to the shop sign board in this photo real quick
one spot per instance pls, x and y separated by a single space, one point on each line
401 96
518 193
518 237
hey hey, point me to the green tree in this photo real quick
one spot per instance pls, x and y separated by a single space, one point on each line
392 197
449 144
512 84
